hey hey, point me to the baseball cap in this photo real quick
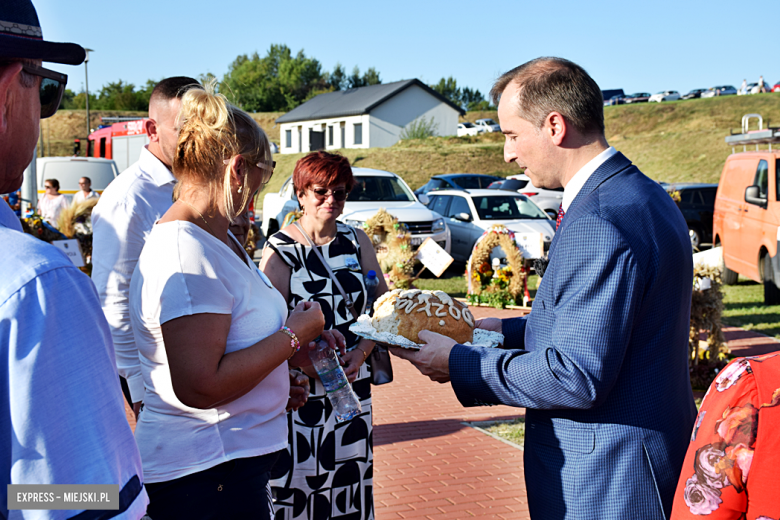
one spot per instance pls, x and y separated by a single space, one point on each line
21 36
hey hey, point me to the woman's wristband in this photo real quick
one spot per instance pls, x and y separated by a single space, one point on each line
294 343
365 354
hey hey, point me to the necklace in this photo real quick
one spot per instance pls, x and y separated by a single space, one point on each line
200 214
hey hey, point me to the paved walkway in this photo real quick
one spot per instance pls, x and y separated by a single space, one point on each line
429 464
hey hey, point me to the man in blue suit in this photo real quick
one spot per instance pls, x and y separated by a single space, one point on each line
600 363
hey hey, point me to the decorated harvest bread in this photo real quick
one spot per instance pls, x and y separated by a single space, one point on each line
406 313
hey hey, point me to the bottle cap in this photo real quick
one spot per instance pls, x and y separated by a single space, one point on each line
371 274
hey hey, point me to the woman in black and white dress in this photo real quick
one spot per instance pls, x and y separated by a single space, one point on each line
326 460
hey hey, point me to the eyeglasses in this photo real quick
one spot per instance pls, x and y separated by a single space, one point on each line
46 186
339 194
52 87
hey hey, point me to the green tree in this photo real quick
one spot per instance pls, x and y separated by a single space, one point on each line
278 81
449 89
338 78
371 77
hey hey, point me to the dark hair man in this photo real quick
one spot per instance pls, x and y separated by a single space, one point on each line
601 362
62 420
85 193
123 218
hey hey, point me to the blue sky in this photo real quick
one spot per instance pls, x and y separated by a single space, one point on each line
637 46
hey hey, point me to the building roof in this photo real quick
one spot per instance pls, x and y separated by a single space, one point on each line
355 101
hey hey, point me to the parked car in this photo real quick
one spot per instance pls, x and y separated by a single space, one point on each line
373 189
469 214
617 99
68 171
608 94
467 128
488 124
548 200
747 214
723 90
697 204
755 88
639 97
666 95
455 181
694 94
776 88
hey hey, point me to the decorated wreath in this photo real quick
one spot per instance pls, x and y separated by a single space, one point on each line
707 358
392 243
501 286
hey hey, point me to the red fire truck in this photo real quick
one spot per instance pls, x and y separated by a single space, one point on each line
121 141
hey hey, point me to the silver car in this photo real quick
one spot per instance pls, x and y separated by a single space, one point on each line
469 213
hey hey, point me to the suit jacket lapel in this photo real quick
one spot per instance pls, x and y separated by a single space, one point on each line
608 169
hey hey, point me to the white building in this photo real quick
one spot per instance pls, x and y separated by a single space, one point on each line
366 117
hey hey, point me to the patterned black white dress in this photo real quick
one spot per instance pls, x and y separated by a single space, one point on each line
327 471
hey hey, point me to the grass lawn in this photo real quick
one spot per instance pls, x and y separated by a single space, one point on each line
513 431
743 306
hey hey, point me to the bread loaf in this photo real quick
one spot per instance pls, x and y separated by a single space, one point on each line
406 313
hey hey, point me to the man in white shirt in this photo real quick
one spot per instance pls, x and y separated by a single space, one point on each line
62 419
85 183
123 218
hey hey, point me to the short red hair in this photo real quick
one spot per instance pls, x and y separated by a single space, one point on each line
324 169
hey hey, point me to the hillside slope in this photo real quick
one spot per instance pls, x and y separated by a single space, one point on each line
676 142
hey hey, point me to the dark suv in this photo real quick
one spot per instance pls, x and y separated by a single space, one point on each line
454 181
697 204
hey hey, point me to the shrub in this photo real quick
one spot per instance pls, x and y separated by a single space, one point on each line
420 128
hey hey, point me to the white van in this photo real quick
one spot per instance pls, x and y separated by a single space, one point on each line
68 171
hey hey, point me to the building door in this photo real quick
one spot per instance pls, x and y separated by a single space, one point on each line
316 141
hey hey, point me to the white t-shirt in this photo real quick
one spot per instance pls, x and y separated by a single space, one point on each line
184 270
50 209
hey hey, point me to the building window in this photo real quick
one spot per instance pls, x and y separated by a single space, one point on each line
288 138
358 133
343 142
330 136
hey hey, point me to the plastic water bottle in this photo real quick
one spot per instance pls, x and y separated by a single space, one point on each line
372 283
343 399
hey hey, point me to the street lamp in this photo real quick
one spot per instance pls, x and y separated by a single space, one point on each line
86 82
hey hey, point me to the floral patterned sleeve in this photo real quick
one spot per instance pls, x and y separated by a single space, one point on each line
715 480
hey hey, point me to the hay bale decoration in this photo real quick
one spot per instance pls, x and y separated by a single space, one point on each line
392 243
500 286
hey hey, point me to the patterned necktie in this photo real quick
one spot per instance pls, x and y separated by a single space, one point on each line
561 213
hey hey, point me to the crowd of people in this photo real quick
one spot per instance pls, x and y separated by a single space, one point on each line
212 353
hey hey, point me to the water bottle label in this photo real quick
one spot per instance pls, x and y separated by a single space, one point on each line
334 380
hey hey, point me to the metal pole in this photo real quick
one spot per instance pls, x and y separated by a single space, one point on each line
86 83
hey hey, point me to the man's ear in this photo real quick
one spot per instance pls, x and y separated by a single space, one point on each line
8 75
150 125
556 128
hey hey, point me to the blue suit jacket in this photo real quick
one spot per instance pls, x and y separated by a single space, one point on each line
601 361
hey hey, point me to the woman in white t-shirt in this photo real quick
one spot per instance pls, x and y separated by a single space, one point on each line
52 203
213 335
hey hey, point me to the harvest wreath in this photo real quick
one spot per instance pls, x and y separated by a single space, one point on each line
500 287
392 242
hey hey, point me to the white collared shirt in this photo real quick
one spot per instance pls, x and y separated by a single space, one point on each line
81 197
121 222
581 177
62 418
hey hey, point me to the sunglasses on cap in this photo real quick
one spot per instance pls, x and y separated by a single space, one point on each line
339 194
52 87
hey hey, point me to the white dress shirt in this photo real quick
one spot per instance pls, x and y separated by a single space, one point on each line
80 197
183 271
581 177
121 222
62 417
